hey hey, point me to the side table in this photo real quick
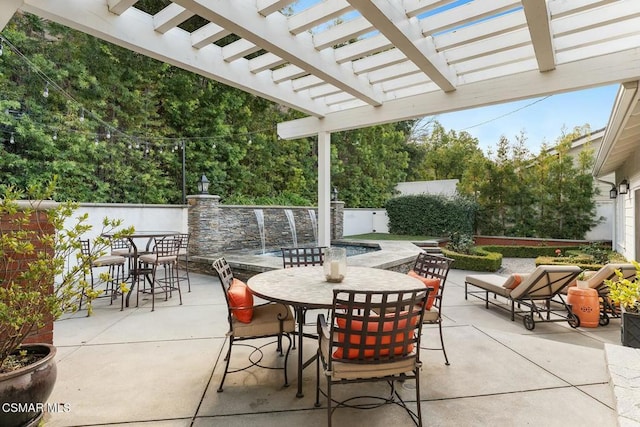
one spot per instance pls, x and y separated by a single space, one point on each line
585 304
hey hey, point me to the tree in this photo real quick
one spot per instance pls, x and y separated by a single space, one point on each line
368 163
566 188
445 153
522 199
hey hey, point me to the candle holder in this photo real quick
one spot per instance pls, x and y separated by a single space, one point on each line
335 264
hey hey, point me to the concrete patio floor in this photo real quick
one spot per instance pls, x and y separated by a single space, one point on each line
162 368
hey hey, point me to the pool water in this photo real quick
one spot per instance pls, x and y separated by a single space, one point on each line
351 250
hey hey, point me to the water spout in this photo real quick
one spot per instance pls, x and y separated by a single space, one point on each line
292 226
260 218
314 225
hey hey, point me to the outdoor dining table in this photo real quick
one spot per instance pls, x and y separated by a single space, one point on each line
306 288
135 270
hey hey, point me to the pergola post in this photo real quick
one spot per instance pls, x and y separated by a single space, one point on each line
324 189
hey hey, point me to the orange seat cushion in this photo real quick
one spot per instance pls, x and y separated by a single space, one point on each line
373 326
241 301
429 282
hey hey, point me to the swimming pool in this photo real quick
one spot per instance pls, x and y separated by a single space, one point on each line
352 250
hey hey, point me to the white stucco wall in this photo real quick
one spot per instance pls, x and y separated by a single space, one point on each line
142 217
362 221
445 187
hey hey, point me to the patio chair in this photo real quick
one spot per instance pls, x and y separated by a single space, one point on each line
433 271
115 266
302 257
298 257
121 247
183 273
359 346
250 322
165 255
596 281
534 291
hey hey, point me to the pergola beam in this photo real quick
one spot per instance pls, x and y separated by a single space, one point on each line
405 34
207 35
466 14
120 6
170 17
342 33
267 7
317 15
272 34
538 20
591 72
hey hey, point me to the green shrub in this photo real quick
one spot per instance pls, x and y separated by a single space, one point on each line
584 262
461 243
527 251
480 260
431 215
598 251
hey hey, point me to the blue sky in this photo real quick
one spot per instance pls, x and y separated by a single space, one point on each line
541 121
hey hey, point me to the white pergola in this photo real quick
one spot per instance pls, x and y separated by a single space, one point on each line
354 63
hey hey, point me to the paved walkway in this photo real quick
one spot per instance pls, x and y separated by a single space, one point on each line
162 368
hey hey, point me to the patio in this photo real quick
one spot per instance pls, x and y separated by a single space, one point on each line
139 368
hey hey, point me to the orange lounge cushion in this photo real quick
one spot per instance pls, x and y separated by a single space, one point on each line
399 347
512 281
241 301
429 282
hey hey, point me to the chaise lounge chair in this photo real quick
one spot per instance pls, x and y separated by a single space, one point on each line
533 291
596 281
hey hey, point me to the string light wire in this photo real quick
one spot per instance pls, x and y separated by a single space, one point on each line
111 131
507 114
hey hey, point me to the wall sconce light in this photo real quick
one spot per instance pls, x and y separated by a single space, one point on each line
613 193
203 185
623 187
334 194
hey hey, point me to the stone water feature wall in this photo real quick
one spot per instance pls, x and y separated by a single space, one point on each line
217 228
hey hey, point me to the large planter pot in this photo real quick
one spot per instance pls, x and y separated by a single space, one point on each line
23 392
630 329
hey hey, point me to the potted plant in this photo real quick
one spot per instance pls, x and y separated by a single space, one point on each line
37 285
582 281
626 294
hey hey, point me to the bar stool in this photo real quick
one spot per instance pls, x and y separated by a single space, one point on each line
115 265
165 255
183 274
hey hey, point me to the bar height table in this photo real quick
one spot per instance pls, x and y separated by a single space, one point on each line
135 271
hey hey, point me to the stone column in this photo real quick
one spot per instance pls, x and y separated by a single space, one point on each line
204 223
337 220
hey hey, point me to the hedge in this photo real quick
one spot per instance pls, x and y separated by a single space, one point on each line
481 260
527 251
430 215
584 263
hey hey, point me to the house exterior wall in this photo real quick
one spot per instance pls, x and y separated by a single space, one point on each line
628 209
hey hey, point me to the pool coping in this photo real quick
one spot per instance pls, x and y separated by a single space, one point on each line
393 255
